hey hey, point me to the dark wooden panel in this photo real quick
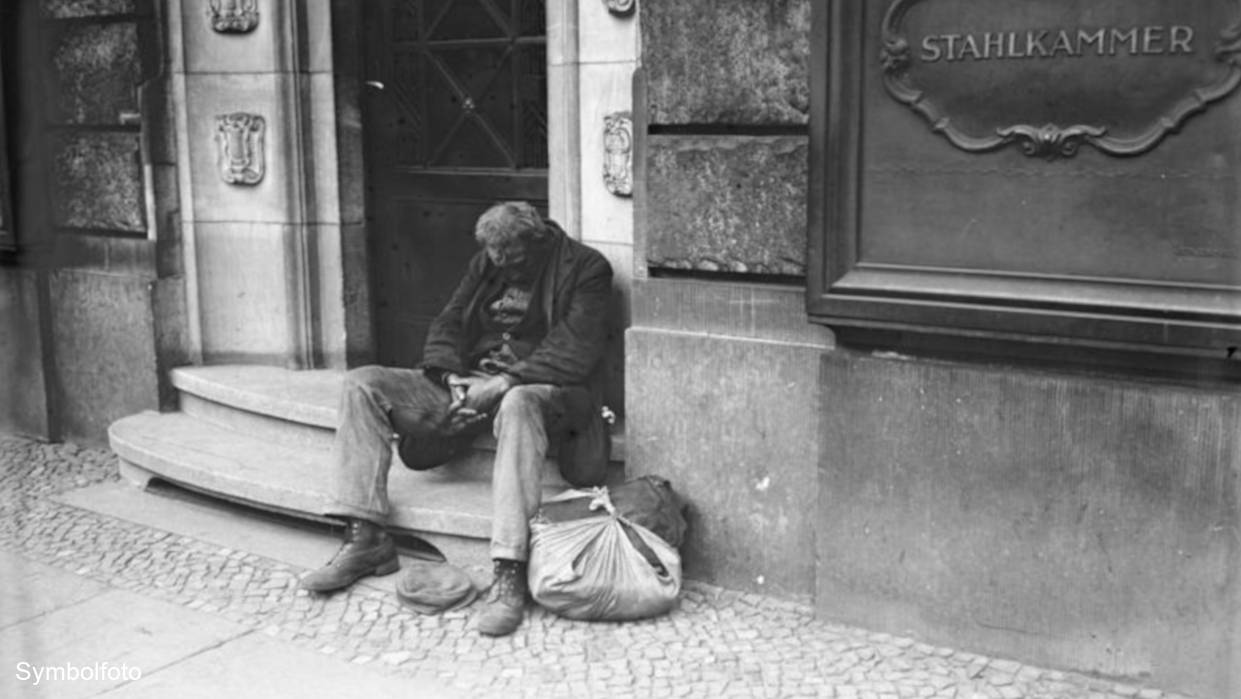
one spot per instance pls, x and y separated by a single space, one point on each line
455 114
8 241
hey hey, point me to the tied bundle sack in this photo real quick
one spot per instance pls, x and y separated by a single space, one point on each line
608 554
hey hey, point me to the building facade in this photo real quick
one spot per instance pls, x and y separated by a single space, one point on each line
291 183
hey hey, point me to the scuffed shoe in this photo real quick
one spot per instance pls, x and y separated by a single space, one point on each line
505 606
368 550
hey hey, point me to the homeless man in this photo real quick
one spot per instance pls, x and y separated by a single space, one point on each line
518 348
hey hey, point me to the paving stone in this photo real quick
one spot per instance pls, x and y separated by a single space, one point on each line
718 643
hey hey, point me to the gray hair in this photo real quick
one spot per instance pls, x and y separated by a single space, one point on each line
510 221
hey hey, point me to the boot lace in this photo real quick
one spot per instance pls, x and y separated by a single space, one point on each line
505 586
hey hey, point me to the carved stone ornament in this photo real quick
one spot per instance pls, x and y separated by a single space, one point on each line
234 16
1060 140
618 153
239 137
621 8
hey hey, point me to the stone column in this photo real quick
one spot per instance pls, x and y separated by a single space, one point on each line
257 139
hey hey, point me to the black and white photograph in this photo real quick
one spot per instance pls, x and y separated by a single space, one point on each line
620 349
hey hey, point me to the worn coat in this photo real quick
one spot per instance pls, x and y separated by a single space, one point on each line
573 291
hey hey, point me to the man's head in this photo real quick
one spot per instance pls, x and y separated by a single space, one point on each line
514 236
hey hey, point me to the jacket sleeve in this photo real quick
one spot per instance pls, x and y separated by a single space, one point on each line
443 349
576 342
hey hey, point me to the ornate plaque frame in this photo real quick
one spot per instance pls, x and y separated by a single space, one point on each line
621 8
239 142
618 153
1050 140
234 16
924 293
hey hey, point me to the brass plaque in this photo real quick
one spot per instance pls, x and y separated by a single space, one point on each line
1050 76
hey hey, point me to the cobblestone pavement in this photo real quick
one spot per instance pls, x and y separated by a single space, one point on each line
716 644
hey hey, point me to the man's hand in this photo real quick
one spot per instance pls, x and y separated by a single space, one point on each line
474 398
483 393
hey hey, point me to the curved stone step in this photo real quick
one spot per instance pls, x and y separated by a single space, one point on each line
182 449
292 408
306 397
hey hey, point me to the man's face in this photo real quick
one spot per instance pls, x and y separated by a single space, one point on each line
516 260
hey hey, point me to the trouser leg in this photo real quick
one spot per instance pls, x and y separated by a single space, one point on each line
376 402
521 431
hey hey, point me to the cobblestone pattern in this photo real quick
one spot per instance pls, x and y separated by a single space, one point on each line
716 644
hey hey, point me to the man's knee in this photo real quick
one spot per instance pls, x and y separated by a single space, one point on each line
365 377
523 403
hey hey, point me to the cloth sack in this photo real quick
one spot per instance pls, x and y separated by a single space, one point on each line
649 501
433 587
601 567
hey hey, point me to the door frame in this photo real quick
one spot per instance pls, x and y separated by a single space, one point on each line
349 71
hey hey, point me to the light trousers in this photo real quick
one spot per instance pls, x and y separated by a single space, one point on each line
378 402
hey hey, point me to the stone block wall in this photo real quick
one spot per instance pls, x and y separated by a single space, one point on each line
97 247
721 362
23 409
265 245
725 105
1061 517
1069 520
595 53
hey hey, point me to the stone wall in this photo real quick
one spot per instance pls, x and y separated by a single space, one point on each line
266 236
1069 520
721 363
1063 517
726 103
23 409
97 245
606 59
723 401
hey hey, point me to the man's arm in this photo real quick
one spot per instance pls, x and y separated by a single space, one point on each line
442 353
576 343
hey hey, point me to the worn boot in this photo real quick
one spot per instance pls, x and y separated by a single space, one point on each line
505 606
368 550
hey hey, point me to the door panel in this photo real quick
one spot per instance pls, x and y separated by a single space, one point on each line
455 114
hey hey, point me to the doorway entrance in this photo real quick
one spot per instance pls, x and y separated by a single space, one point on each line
455 119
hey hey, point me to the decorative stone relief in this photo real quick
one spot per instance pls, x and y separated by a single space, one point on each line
618 153
234 16
1101 54
621 8
239 137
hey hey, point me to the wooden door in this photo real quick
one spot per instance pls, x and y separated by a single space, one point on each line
455 119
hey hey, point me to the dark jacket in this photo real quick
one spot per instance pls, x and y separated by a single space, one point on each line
573 292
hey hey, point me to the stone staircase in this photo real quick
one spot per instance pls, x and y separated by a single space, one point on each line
262 436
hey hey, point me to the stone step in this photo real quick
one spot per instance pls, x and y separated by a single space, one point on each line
299 409
184 450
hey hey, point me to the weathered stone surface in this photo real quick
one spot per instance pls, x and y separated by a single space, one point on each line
727 203
716 643
97 69
104 338
23 408
745 463
62 9
729 62
1079 522
42 589
757 311
97 182
243 285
